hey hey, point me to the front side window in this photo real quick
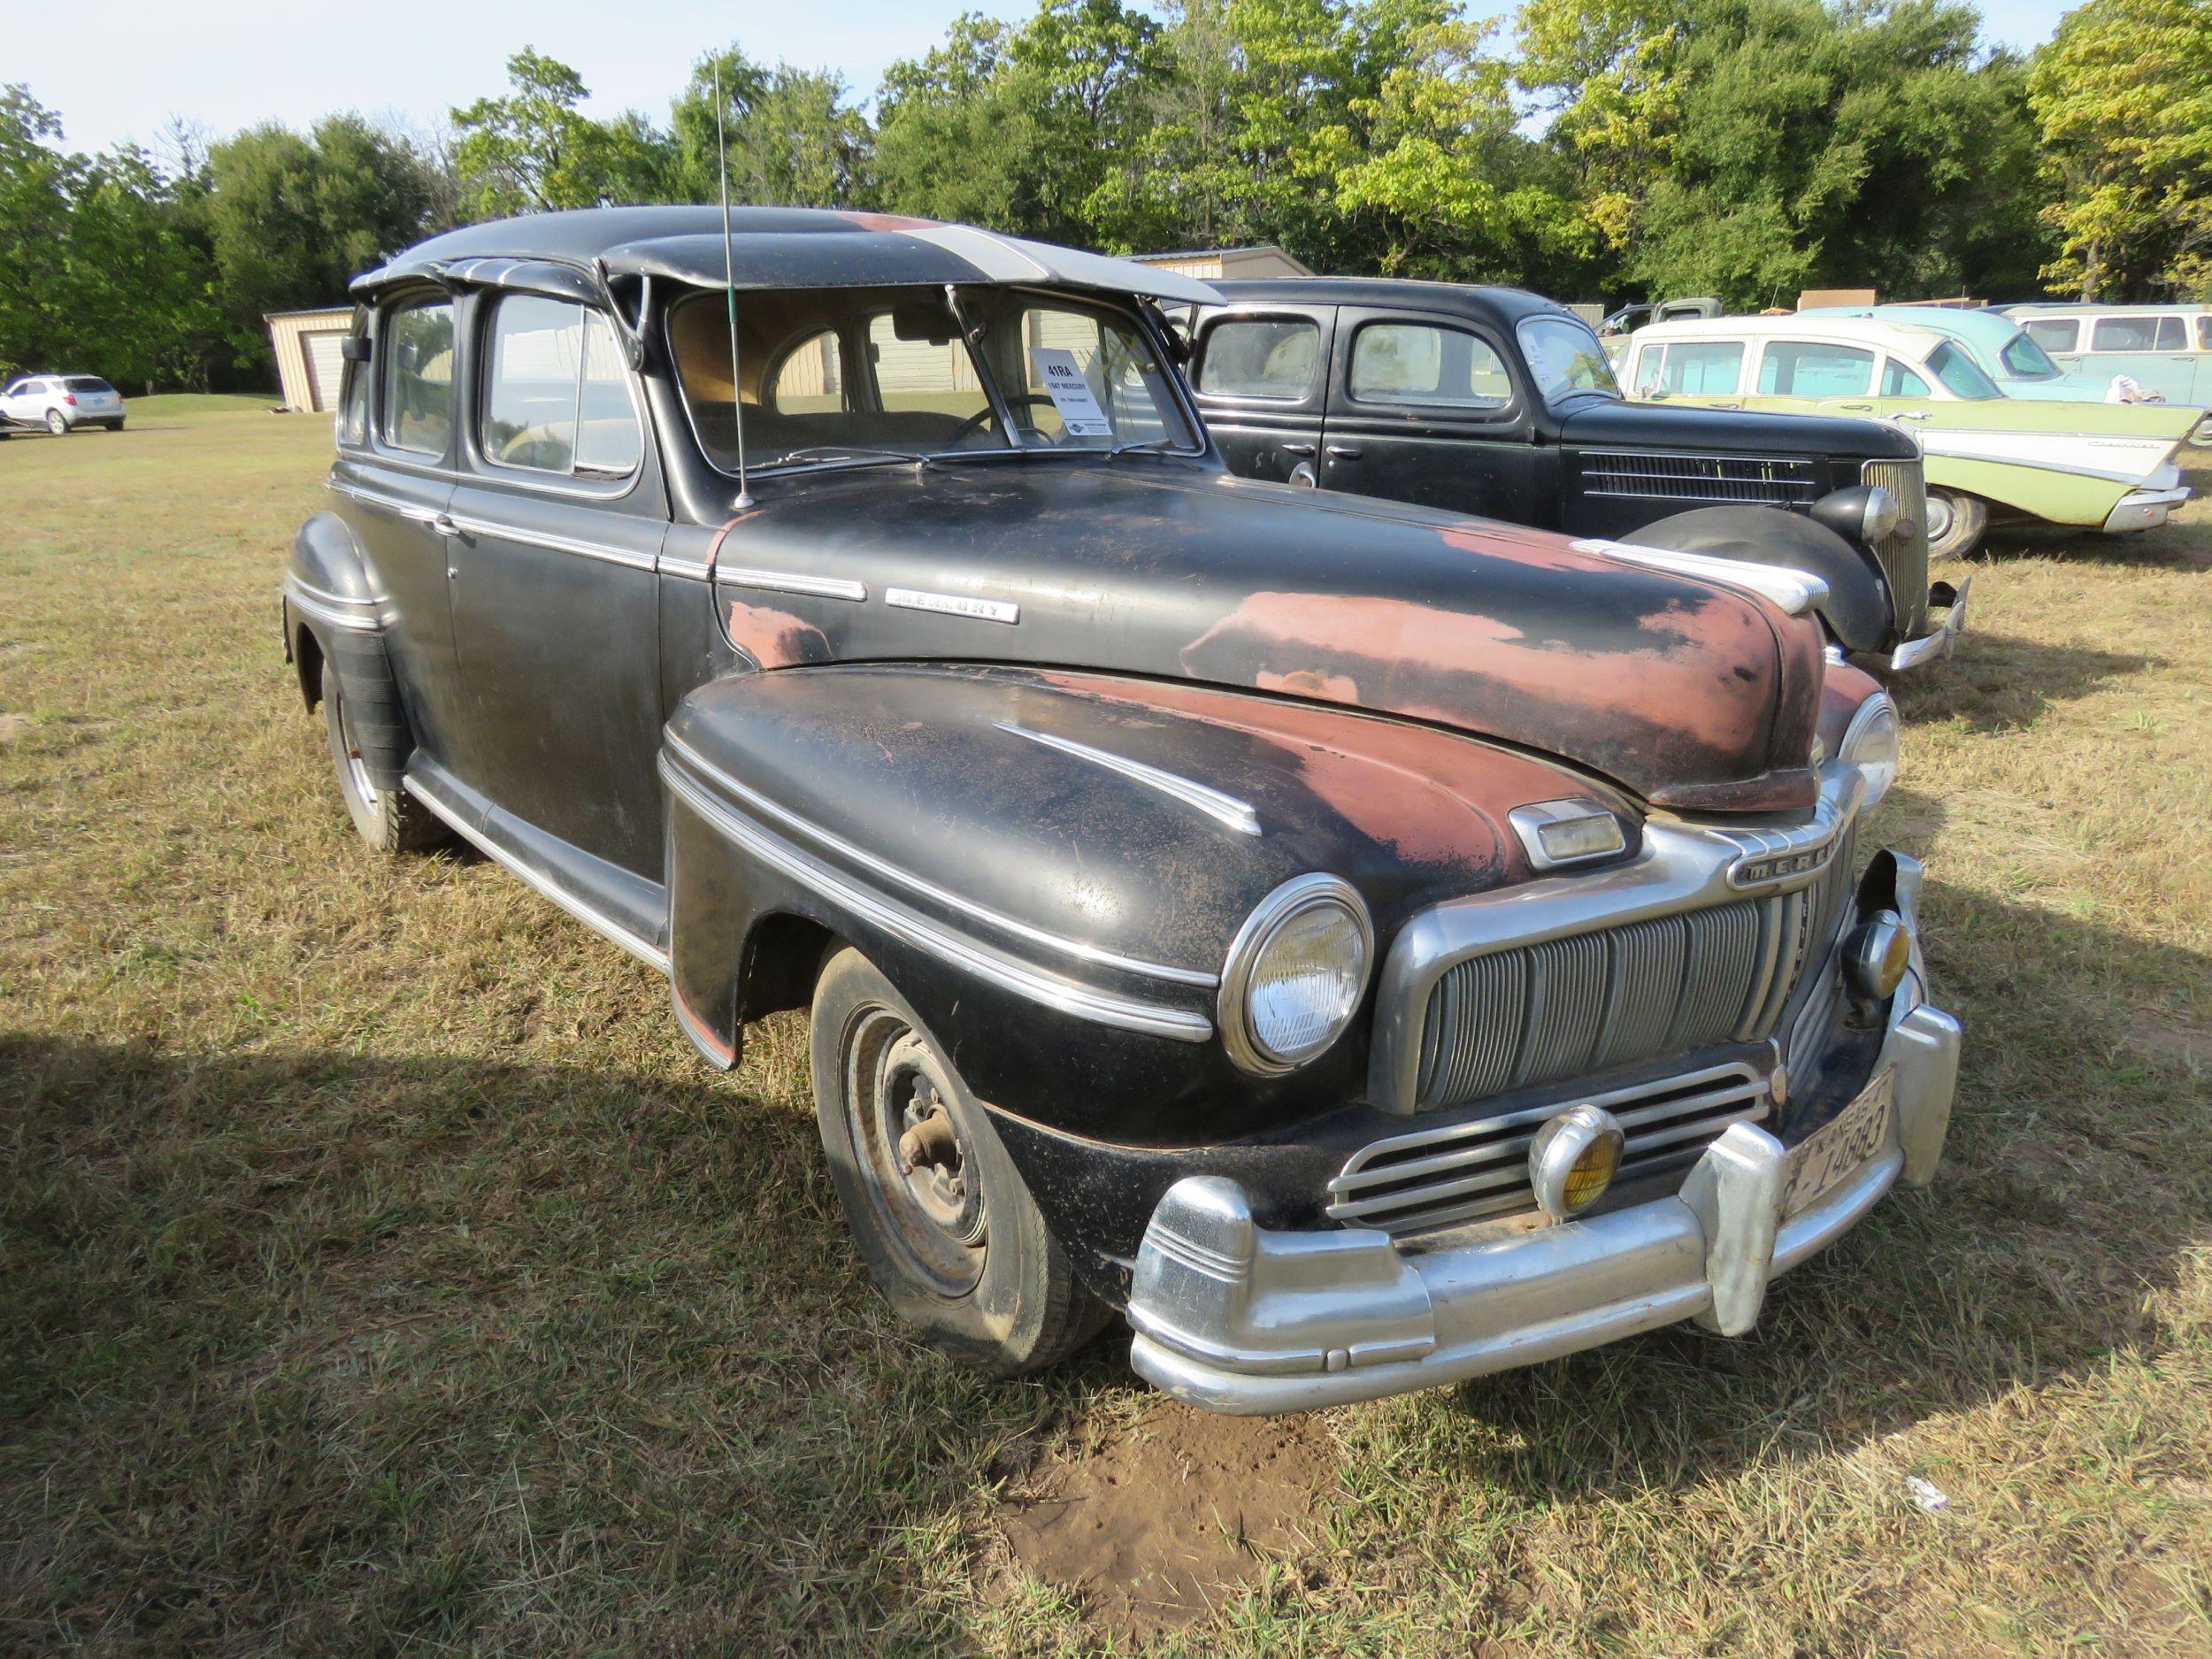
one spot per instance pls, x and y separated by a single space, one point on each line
1565 357
418 412
1900 381
2025 360
557 397
1263 356
2053 333
1702 368
1960 373
2136 334
1417 363
1807 368
1072 375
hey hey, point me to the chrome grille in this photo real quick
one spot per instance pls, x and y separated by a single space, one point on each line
1425 1179
1529 1015
1904 556
1767 480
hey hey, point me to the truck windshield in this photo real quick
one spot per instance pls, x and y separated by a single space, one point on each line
844 377
1565 358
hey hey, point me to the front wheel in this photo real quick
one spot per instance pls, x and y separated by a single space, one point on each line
390 820
942 1218
57 423
1955 523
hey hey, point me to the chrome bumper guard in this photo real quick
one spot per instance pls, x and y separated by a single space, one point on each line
2144 508
1929 646
1236 1317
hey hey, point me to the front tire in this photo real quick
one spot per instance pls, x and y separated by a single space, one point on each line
941 1216
1955 523
57 423
390 820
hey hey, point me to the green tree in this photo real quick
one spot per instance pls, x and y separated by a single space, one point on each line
2123 103
794 140
37 184
533 150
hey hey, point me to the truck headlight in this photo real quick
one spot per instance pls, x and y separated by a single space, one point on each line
1878 521
1294 975
1860 512
1871 742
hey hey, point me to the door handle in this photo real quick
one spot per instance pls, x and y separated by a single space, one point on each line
1297 449
444 526
1344 451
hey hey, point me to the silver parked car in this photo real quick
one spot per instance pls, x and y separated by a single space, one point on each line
61 403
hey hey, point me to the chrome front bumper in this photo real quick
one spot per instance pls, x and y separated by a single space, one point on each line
1929 646
2144 508
1240 1319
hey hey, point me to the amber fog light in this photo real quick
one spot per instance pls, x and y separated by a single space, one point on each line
1574 1159
1877 956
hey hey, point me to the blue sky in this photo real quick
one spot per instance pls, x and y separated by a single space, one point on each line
117 69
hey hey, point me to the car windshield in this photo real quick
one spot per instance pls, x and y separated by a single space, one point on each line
1959 372
1565 358
2025 360
848 377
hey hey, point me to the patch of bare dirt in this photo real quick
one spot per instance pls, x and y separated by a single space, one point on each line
14 725
1157 1525
2186 1042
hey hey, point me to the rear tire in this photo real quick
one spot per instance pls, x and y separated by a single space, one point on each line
390 820
941 1216
1955 523
57 423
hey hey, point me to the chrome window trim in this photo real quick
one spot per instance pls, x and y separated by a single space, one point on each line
1679 866
651 955
995 967
1078 948
783 581
1224 809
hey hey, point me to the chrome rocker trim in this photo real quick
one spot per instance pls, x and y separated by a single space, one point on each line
1930 647
1236 1317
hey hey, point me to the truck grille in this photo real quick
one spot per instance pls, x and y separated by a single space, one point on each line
1904 556
1425 1179
1618 996
1763 481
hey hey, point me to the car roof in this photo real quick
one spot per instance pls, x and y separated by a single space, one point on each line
1464 299
768 248
1913 341
2083 308
1983 327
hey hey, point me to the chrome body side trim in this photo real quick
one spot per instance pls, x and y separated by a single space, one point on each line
995 967
359 616
414 511
1235 1316
1224 809
785 582
1679 866
1795 591
1078 948
627 556
651 954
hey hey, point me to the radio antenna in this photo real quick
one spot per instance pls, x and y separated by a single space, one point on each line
729 280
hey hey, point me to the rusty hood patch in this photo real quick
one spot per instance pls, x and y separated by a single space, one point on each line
1690 694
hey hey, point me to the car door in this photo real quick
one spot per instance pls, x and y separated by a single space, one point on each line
1261 375
559 515
11 400
1425 409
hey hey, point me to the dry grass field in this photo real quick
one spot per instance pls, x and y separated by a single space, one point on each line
380 1273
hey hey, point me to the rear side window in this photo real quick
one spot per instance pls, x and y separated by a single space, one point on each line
418 392
1960 373
2053 333
2137 334
1900 381
1414 363
1805 368
556 398
1696 368
2204 333
353 408
811 379
2026 359
1274 356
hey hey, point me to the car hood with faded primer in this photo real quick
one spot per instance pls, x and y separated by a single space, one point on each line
1693 695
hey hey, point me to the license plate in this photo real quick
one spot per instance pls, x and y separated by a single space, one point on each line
1829 1153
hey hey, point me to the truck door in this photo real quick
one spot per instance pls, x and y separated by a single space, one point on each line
1261 374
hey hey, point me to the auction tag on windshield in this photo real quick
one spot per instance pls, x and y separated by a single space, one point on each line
1070 393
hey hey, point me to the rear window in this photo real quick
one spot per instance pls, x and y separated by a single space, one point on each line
2053 333
1960 373
1805 368
1270 357
2137 334
87 383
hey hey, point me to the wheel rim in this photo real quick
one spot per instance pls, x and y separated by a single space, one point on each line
921 1176
56 425
1940 518
357 770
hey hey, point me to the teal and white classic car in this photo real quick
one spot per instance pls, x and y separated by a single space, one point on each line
2164 348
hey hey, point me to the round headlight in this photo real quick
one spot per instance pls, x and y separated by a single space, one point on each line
1879 522
1295 974
1871 742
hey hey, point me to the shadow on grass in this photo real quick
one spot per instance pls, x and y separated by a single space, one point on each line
2076 1176
1999 682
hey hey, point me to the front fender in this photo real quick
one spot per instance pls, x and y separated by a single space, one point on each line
1051 866
331 594
1857 610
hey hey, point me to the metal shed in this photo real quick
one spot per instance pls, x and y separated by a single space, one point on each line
308 367
1209 265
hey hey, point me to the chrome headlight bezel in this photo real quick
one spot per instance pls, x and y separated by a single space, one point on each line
1879 522
1295 898
1875 724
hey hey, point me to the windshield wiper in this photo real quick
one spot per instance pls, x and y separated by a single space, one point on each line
1153 446
832 454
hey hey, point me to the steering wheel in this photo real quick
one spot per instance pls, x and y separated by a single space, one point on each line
975 422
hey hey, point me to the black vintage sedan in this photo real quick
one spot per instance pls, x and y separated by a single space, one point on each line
1366 945
1494 401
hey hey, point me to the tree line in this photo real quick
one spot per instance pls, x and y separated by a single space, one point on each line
1589 148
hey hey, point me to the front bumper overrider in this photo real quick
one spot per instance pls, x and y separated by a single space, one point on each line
1236 1317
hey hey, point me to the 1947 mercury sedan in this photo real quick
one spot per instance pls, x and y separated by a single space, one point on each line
1368 946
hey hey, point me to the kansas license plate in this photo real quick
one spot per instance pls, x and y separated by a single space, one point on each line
1832 1151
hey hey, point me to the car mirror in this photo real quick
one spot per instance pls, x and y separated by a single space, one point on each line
933 324
354 349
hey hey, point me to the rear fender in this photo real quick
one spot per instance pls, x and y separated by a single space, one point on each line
1051 866
335 612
